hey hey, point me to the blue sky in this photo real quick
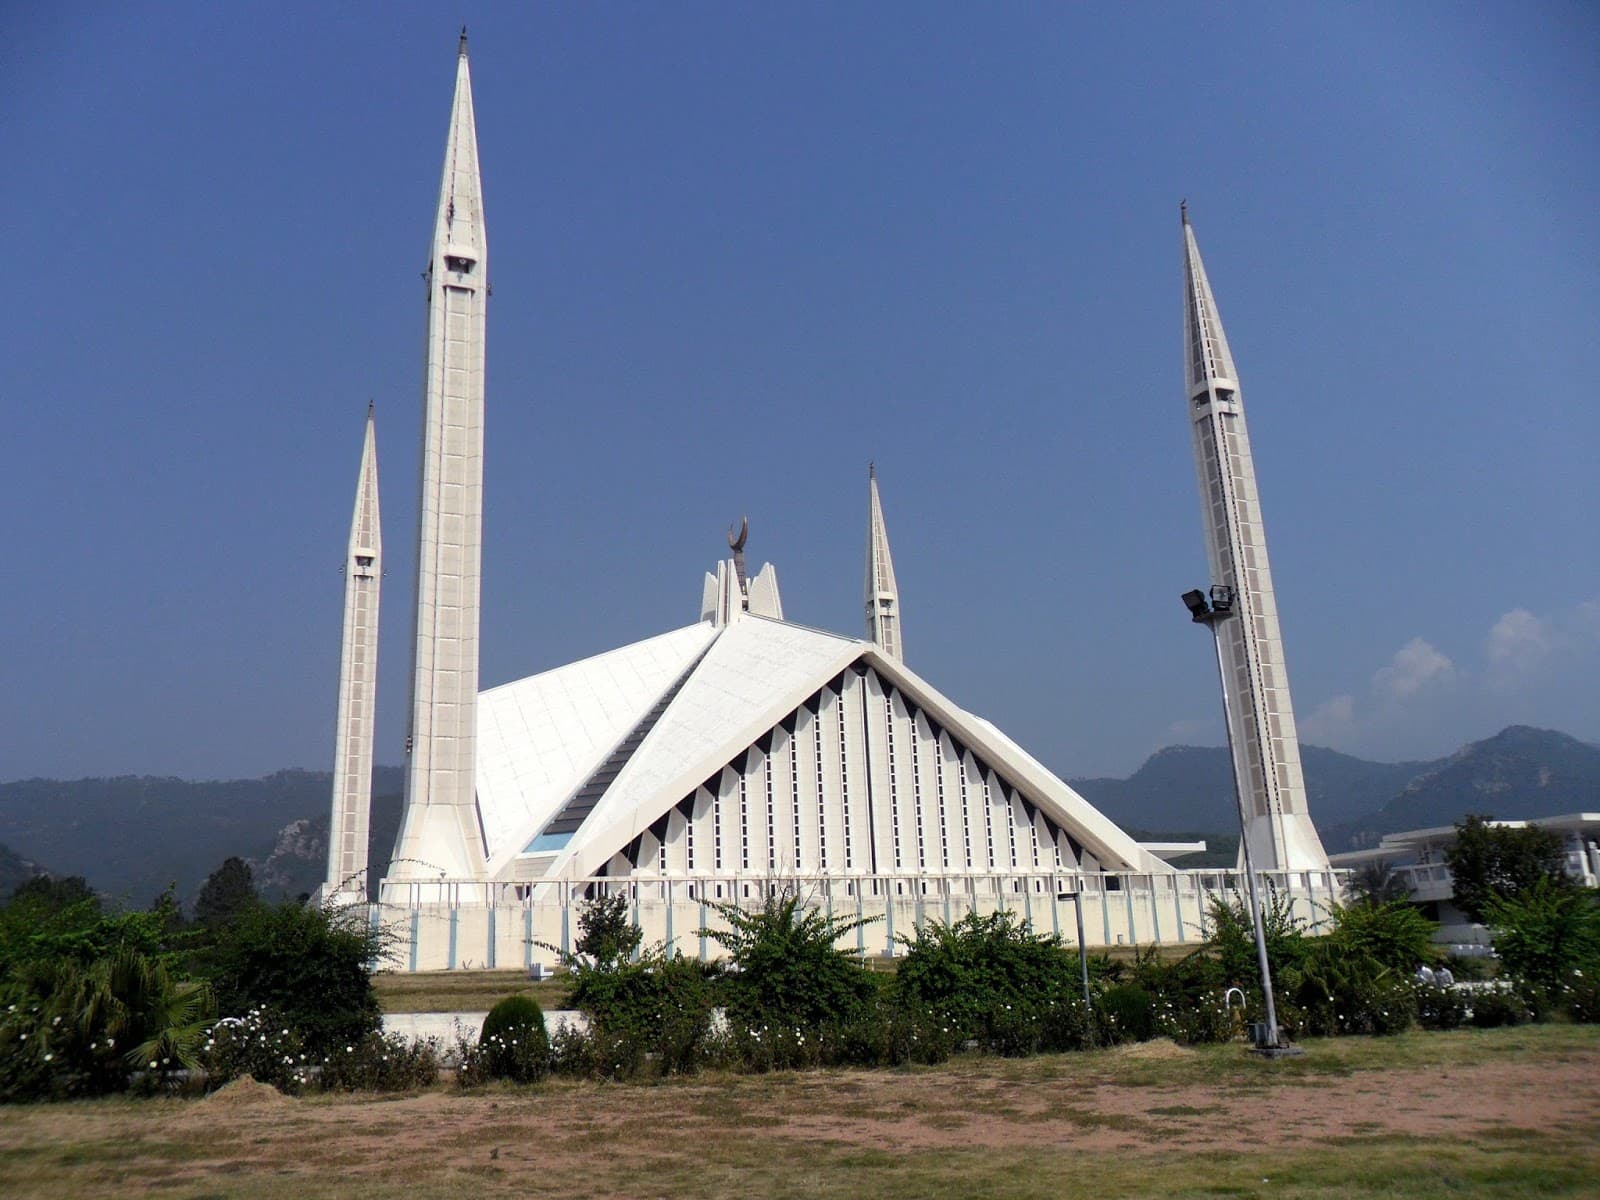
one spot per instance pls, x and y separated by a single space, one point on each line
739 250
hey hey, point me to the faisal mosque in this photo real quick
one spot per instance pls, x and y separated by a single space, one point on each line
744 753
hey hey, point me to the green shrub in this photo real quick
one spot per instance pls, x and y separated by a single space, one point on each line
786 971
309 966
1441 1007
1188 995
381 1063
658 1008
1130 1012
1470 969
1231 941
607 935
1394 934
984 977
71 1028
1339 993
513 1045
259 1044
1581 998
1546 932
1496 1006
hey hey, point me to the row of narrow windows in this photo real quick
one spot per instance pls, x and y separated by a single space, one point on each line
1013 841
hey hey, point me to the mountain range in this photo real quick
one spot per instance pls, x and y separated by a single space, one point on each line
132 837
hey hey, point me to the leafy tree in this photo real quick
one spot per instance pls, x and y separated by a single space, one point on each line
60 920
786 970
46 893
226 891
1232 939
606 933
1546 932
1489 861
309 966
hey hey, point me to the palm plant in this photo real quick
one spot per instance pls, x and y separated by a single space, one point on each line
1377 883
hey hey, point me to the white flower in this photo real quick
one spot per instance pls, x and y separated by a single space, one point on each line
152 1064
48 1057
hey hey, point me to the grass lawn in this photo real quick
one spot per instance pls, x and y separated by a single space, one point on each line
1502 1113
463 991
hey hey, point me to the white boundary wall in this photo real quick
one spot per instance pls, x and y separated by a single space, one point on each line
449 925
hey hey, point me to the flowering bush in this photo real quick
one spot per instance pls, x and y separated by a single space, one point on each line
657 1010
381 1063
513 1045
1498 1005
1581 997
310 966
260 1045
75 1028
1441 1007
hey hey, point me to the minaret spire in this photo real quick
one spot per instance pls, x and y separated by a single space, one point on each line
883 595
1266 748
440 833
358 688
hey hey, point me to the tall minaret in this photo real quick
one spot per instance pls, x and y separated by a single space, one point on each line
358 689
440 833
883 596
1266 748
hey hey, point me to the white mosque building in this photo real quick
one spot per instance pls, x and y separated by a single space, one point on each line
739 754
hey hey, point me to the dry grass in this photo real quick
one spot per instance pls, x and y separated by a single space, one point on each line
1503 1113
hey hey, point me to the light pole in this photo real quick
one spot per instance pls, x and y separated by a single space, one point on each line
1212 614
1083 954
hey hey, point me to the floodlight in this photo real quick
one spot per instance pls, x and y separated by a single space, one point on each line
1195 601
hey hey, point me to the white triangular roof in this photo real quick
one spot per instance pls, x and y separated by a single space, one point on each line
540 738
755 674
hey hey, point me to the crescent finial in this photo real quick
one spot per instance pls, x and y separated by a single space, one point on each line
736 540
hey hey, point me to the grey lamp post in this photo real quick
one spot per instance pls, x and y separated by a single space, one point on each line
1212 614
1083 954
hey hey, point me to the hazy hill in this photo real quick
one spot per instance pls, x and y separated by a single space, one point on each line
1191 787
131 836
1519 772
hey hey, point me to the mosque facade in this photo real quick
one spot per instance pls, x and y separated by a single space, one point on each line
735 757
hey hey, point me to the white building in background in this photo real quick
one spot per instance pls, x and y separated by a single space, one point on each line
1266 747
718 762
1417 858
